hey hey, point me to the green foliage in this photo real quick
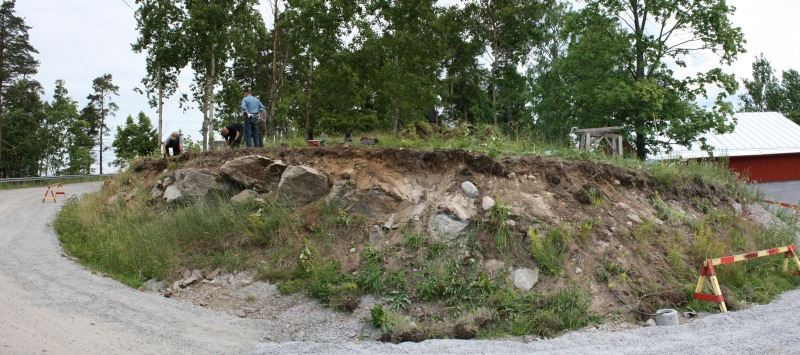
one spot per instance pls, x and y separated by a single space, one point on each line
671 216
21 112
550 251
706 245
499 213
134 140
764 92
377 316
615 73
596 196
413 241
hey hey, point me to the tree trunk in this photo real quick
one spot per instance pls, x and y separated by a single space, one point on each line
211 99
208 102
102 124
309 105
396 95
494 74
160 110
274 92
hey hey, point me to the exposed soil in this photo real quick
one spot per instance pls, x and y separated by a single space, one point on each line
542 193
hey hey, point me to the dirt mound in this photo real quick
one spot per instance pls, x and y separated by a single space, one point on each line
623 227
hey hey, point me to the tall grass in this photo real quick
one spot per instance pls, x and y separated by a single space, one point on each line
131 243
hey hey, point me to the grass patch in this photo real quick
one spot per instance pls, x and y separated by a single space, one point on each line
550 251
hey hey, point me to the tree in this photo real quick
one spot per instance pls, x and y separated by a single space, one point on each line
16 57
462 89
316 30
764 91
638 90
791 90
101 101
60 115
509 30
208 28
134 140
24 113
159 24
402 39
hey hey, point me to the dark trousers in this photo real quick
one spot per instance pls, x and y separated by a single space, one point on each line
251 130
175 148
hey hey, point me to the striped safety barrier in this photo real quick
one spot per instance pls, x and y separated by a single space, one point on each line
708 271
784 204
49 194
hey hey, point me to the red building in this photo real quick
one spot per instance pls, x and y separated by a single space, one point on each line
765 146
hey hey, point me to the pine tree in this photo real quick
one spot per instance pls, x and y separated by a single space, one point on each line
16 56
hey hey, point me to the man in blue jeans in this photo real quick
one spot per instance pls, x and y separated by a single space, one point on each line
250 107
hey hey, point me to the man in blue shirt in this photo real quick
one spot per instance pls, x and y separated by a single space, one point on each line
250 107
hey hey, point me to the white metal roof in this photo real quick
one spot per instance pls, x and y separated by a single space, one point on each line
756 133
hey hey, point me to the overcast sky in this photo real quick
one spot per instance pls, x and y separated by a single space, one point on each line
80 40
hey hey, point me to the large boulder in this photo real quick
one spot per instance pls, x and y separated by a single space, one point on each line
196 184
253 171
301 185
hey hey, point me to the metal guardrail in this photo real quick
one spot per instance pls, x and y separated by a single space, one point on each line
47 178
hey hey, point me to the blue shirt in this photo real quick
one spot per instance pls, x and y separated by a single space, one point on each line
251 104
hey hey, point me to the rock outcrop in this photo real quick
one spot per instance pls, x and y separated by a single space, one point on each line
301 185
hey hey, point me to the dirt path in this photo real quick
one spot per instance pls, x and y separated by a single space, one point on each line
50 304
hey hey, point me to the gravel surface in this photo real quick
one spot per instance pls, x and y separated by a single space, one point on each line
50 304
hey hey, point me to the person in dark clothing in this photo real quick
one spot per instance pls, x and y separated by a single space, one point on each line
175 142
233 135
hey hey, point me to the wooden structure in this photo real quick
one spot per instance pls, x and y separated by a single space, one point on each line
607 136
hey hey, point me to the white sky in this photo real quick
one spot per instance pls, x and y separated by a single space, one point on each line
80 40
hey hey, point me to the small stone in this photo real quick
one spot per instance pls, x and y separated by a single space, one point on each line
511 223
524 279
390 222
634 217
352 250
469 189
487 203
737 209
346 174
616 182
213 275
578 270
189 281
240 313
659 222
650 323
512 175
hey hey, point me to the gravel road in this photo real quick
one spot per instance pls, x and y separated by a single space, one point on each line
50 304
